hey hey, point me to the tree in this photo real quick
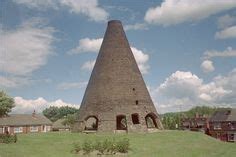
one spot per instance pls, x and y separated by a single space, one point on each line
51 113
169 120
70 120
54 113
6 104
202 110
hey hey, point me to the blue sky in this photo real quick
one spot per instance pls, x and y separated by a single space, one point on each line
185 49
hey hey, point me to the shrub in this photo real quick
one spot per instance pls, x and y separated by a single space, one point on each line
123 145
111 146
100 147
106 146
77 147
15 138
87 147
6 138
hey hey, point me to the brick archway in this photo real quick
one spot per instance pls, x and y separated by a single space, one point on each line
91 123
151 120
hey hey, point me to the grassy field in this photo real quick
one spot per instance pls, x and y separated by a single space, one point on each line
159 144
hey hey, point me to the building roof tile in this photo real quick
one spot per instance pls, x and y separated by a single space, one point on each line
24 119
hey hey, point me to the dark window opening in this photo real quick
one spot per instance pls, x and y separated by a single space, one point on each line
136 102
135 118
151 120
231 137
133 89
121 123
91 123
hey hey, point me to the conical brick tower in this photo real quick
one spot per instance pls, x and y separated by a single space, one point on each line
116 98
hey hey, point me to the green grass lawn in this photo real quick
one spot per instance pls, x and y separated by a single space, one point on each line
159 144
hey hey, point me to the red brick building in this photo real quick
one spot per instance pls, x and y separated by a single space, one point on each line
198 123
24 123
222 125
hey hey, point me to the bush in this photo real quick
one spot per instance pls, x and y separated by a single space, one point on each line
6 138
15 138
123 145
100 147
111 146
77 147
87 147
106 146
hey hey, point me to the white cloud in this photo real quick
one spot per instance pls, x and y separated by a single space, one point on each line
180 84
226 21
172 12
183 90
141 59
229 52
39 104
87 45
89 8
93 45
13 81
137 26
71 85
24 50
38 4
88 65
226 33
207 66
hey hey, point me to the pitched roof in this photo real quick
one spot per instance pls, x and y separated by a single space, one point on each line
224 115
58 124
24 119
232 115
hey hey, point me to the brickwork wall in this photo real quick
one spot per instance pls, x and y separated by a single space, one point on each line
26 129
115 85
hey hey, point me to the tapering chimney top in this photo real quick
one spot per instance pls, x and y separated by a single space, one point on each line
114 22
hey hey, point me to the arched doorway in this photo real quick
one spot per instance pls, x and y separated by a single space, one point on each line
151 120
121 123
91 123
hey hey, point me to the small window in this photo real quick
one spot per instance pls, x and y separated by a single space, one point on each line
136 102
133 89
231 126
121 123
34 129
231 137
135 118
18 129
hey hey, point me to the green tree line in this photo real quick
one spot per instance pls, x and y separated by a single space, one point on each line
54 113
172 120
